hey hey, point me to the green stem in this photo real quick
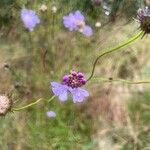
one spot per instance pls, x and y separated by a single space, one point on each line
113 50
120 80
29 105
51 98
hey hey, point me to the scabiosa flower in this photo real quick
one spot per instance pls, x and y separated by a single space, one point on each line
71 83
5 104
51 114
75 21
143 16
29 18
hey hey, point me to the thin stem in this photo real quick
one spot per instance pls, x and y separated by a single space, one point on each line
121 80
53 25
51 98
29 105
113 50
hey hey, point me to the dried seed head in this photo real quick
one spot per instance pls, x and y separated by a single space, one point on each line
43 8
98 24
5 104
54 9
143 16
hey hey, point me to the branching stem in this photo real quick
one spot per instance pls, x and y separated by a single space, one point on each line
116 48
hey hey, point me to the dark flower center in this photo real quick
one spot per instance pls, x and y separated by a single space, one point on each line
74 79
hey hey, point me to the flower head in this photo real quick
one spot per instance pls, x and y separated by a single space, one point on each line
43 8
54 9
143 16
71 83
51 114
75 21
98 24
5 104
29 18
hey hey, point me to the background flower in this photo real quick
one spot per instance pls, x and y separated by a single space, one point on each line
76 21
29 18
73 20
51 114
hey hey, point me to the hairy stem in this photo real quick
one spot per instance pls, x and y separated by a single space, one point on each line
51 98
120 80
31 104
116 48
26 106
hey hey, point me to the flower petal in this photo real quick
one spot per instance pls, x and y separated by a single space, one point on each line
78 16
79 94
63 97
29 18
60 90
51 114
70 22
87 31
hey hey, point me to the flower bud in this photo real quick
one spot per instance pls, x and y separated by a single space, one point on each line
5 104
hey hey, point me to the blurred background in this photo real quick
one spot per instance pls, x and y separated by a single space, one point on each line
116 116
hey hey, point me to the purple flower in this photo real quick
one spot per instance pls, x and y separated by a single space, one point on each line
71 83
72 20
51 114
29 18
75 21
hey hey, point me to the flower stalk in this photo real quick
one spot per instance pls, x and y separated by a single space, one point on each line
26 106
31 104
116 48
51 98
97 79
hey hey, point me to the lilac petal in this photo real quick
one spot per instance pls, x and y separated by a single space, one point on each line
79 94
70 22
87 31
60 91
78 16
51 114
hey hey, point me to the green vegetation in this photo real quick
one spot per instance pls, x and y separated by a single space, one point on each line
49 52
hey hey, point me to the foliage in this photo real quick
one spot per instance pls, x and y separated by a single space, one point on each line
30 60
